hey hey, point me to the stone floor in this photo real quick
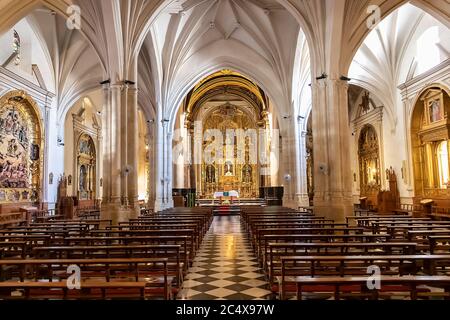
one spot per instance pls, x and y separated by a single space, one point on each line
225 268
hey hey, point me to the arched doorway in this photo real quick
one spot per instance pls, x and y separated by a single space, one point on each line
86 168
21 149
430 134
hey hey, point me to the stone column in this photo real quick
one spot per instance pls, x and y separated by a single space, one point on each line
160 166
332 174
133 151
46 170
169 170
107 147
288 172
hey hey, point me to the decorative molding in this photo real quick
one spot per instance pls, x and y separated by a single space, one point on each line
441 72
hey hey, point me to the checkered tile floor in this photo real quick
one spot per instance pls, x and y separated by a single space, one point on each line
225 267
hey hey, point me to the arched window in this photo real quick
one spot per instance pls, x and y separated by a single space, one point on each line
443 164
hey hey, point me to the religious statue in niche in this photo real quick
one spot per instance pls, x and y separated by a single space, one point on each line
16 47
228 169
247 173
34 153
82 178
435 111
50 178
69 180
365 104
210 174
86 166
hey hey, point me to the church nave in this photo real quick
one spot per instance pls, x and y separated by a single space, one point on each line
225 268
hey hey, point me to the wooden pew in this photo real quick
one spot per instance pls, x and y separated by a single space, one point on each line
276 251
343 286
13 249
106 269
157 232
262 246
176 267
60 290
439 244
186 246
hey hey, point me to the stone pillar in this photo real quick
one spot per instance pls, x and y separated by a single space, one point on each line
107 147
288 168
332 174
46 170
169 170
160 165
120 153
133 151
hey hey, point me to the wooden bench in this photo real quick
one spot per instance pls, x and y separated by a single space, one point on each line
60 290
262 246
176 267
439 244
186 246
349 286
276 251
12 218
13 249
107 269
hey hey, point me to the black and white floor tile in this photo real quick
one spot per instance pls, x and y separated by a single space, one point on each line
225 268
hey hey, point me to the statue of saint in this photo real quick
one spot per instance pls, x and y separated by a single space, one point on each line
228 169
210 174
247 174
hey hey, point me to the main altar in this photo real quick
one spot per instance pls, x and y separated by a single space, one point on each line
226 197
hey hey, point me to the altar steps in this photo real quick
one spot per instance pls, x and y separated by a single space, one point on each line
227 210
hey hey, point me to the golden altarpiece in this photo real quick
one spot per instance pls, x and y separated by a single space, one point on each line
431 145
85 166
21 149
236 170
228 102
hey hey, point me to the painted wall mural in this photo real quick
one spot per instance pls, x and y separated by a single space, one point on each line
20 149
